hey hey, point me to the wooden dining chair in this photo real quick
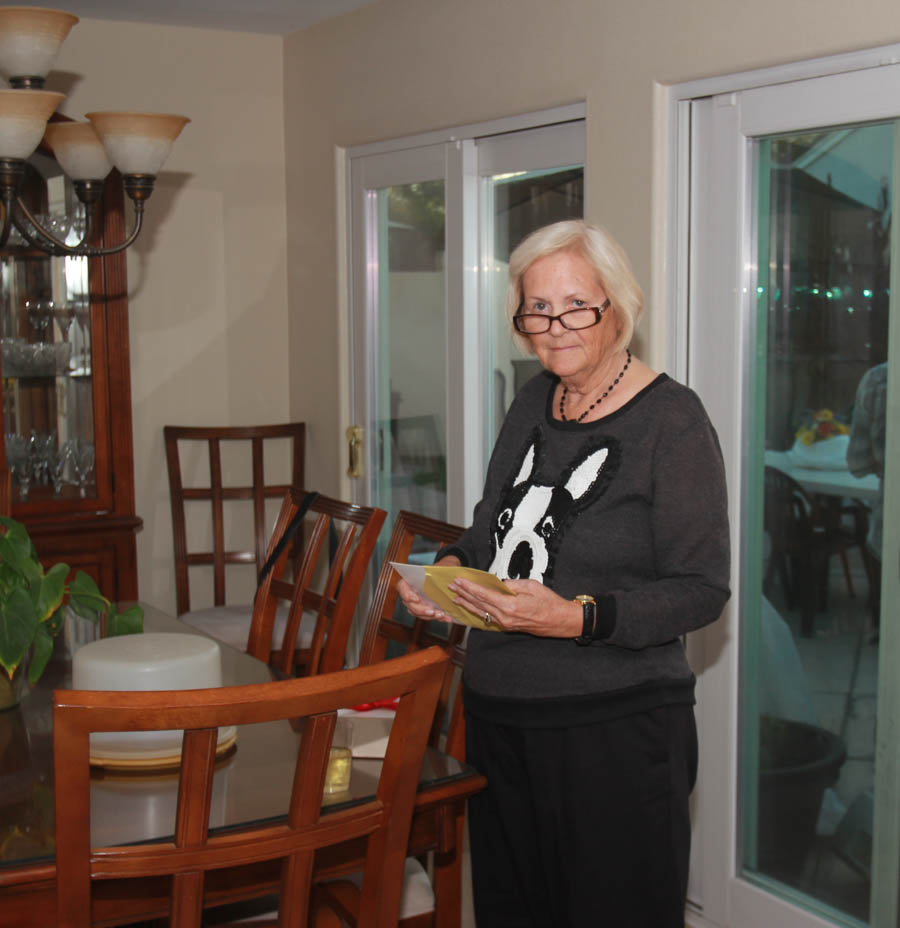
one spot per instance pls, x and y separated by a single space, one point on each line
213 503
390 631
304 607
383 821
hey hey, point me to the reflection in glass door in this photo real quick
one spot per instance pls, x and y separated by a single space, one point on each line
810 791
515 204
409 421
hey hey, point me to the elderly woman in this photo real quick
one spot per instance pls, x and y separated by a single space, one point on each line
604 511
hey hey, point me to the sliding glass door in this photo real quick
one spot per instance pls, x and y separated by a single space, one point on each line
795 335
432 366
401 330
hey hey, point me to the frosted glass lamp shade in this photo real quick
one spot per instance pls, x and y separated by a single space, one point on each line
30 39
78 150
137 143
23 119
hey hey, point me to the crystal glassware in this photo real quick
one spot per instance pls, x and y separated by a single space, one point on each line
40 315
18 456
62 464
42 453
84 465
83 316
64 314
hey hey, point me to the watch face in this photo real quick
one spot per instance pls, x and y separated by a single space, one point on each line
584 598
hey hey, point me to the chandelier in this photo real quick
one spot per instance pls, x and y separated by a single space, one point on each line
136 144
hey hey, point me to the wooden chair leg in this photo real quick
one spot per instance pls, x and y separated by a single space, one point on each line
807 584
448 867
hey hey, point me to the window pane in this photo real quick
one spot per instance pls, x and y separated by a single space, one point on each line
412 471
810 654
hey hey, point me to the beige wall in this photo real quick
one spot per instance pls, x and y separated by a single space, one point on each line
401 67
207 278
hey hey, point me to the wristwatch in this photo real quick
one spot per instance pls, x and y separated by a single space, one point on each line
589 605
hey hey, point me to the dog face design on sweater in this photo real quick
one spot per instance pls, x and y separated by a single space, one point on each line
531 517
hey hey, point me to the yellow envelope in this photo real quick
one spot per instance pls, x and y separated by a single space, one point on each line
432 582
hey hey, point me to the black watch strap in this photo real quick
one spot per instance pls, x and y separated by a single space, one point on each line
589 607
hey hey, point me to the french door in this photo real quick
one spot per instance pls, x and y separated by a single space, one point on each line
432 222
793 342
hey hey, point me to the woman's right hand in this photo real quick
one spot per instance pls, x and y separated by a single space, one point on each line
421 608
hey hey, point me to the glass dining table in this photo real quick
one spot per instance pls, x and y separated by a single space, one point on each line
252 784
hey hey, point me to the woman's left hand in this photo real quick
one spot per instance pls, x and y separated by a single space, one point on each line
534 609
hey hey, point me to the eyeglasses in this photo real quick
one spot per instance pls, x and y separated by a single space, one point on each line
536 323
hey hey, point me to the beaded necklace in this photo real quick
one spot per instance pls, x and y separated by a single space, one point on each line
597 402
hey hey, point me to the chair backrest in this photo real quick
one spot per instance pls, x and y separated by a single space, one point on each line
321 587
384 820
389 626
217 494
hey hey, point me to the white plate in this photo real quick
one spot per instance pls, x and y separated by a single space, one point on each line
127 754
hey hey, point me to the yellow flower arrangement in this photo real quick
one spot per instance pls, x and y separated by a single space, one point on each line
823 426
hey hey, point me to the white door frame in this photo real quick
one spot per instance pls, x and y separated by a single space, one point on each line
724 899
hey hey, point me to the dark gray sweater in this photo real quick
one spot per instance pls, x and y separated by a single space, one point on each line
630 508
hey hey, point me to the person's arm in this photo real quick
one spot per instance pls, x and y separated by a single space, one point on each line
860 453
691 543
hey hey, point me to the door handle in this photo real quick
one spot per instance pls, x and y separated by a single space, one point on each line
354 450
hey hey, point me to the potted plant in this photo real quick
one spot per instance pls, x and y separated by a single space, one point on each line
32 609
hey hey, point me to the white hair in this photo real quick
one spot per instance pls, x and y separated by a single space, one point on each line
605 255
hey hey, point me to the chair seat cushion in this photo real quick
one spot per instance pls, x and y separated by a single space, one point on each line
231 625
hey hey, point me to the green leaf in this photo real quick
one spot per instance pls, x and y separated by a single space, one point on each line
40 653
17 551
51 590
85 599
18 626
129 622
54 624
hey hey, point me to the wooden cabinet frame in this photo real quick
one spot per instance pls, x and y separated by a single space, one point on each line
97 533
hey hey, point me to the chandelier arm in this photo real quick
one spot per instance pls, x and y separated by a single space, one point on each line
43 237
81 250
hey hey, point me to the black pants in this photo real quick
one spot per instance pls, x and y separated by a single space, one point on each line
583 827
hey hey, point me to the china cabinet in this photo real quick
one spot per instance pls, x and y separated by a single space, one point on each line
66 390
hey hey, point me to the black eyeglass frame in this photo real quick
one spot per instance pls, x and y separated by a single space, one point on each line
597 310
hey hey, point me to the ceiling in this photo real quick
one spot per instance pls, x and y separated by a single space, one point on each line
278 17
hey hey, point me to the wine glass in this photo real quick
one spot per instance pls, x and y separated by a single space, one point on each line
83 317
18 456
59 466
83 452
40 315
41 456
64 314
